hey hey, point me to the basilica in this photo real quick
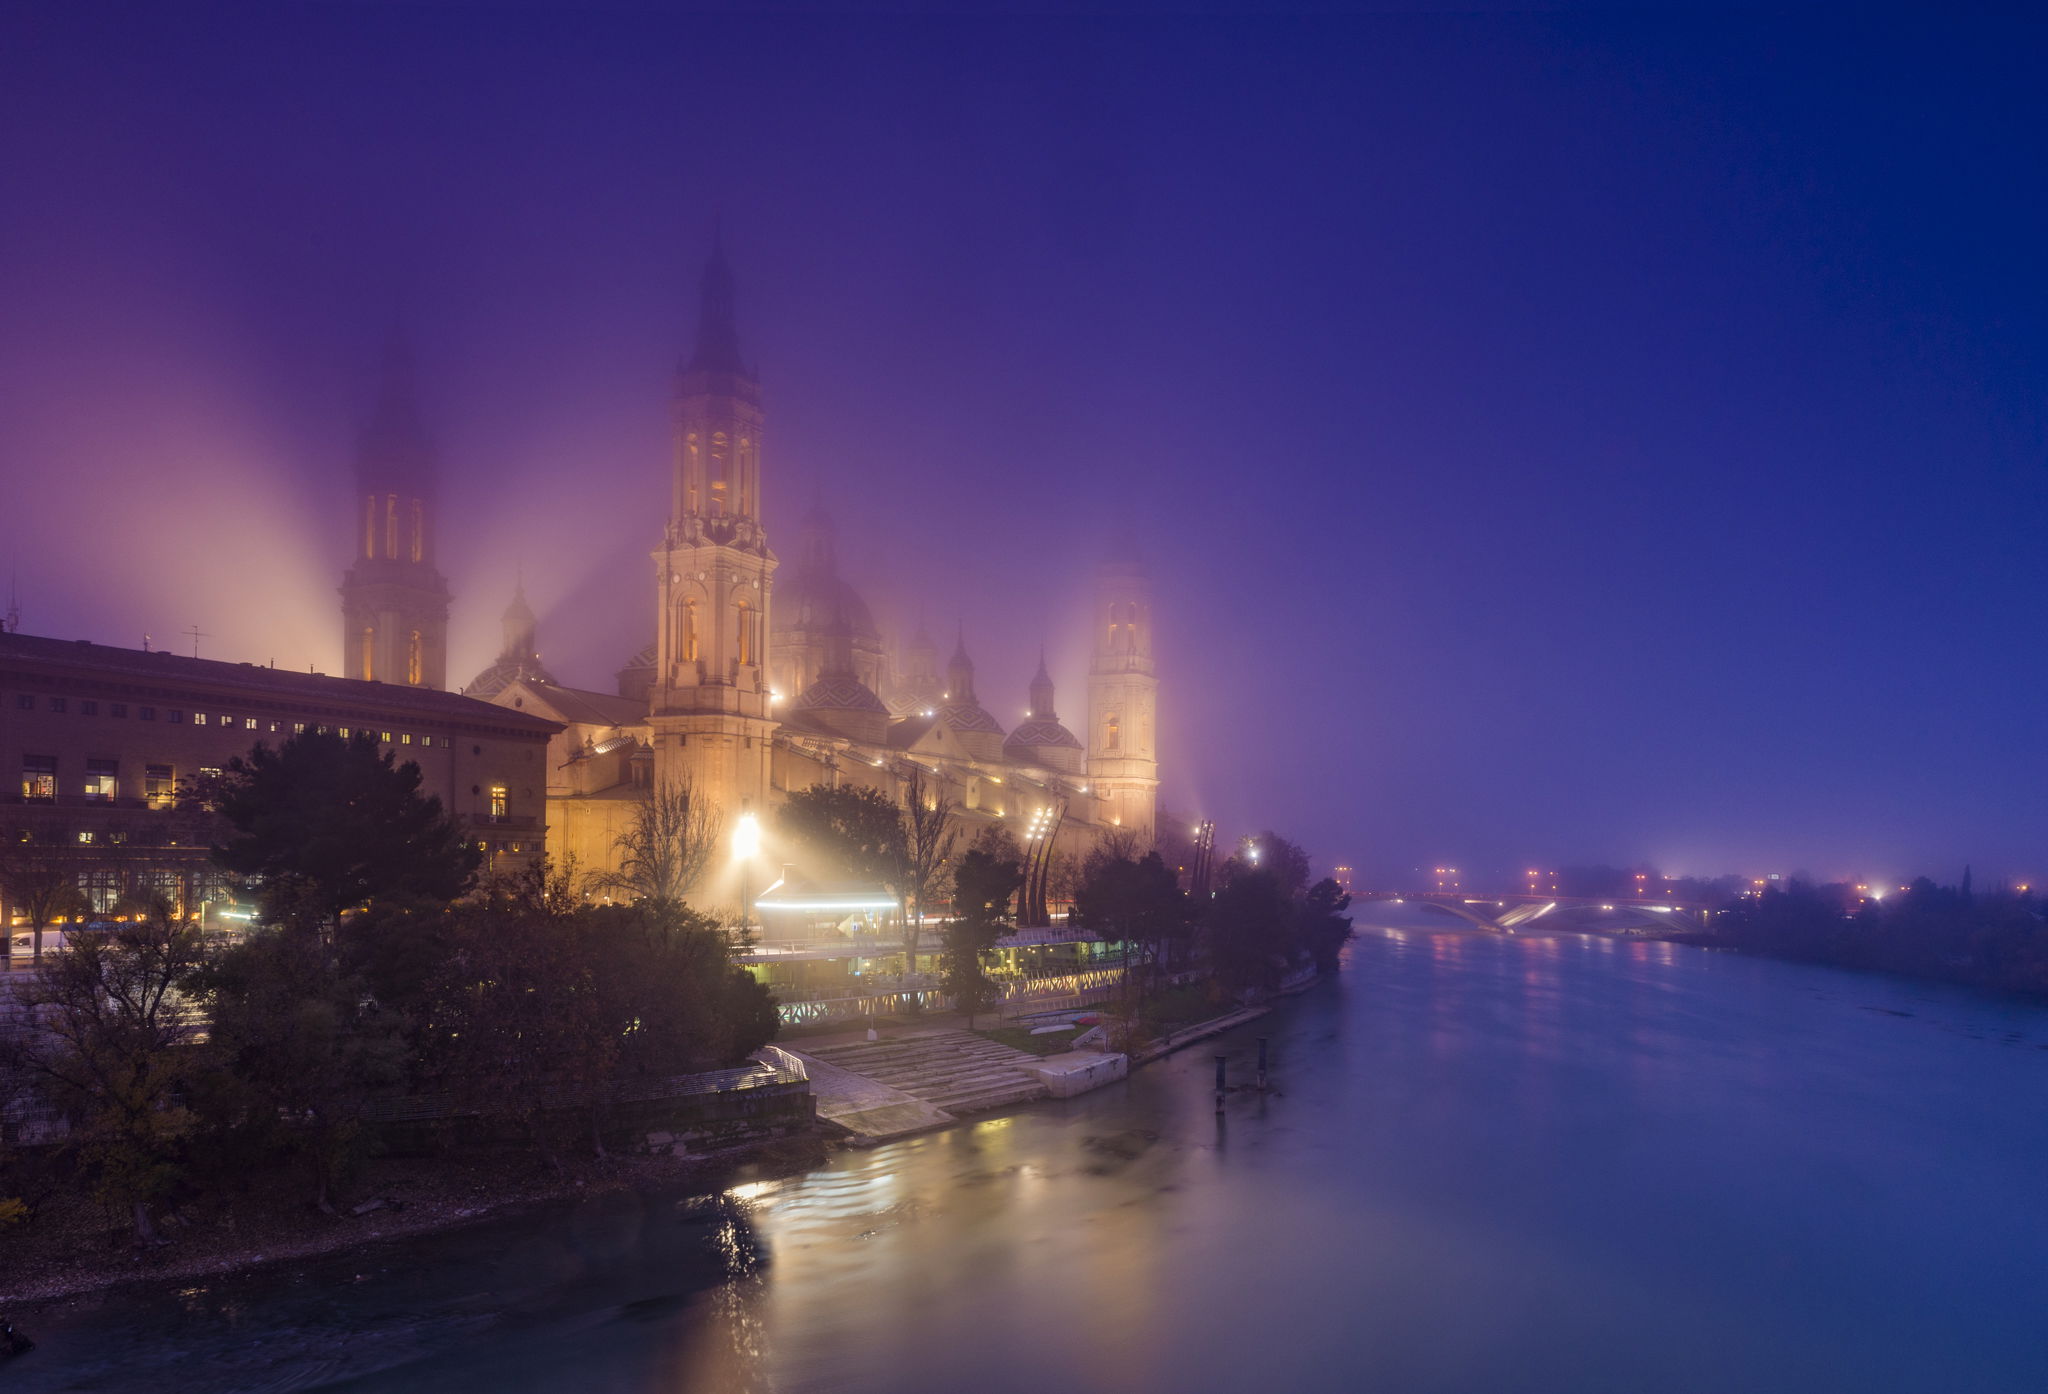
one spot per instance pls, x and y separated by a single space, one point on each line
767 673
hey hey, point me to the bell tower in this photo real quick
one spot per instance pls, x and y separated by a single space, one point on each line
394 604
1123 693
709 702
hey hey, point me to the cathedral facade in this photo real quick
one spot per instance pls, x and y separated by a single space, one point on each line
764 674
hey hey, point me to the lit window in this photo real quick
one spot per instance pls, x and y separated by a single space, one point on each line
159 785
413 666
1112 736
499 800
419 532
226 720
39 776
102 888
370 525
385 737
250 723
344 733
199 718
405 738
99 780
391 526
85 835
368 653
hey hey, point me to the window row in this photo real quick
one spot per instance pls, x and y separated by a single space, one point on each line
100 781
177 716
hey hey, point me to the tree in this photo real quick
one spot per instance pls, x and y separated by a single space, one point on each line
1248 932
301 1048
667 844
321 825
1142 905
523 1023
1271 853
930 832
983 882
1321 926
849 831
110 1040
684 1004
39 879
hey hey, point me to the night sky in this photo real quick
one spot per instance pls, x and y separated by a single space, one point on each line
1557 437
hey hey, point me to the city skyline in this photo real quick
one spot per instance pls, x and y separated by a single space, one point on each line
1622 534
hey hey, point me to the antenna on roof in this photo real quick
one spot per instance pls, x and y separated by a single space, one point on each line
145 643
197 634
10 623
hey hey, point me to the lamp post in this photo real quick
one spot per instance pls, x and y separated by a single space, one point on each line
746 845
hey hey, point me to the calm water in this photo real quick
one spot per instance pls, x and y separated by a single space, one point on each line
1561 1164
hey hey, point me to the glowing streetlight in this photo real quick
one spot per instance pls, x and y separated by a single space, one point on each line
746 845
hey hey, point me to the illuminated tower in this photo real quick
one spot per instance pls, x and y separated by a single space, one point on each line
709 700
1123 693
394 604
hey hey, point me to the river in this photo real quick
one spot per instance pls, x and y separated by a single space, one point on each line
1537 1165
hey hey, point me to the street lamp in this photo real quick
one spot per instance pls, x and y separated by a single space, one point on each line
746 845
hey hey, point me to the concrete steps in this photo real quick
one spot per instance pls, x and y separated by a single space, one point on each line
953 1070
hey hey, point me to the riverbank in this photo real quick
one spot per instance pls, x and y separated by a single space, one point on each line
82 1249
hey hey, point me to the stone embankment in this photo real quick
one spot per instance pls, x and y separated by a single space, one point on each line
877 1091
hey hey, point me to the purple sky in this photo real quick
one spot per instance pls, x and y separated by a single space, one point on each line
1558 438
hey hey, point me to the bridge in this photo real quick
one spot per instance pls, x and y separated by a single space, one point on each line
1515 911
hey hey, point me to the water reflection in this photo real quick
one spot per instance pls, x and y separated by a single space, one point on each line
1544 1163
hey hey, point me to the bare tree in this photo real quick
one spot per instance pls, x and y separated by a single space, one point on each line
666 846
931 830
109 1038
38 878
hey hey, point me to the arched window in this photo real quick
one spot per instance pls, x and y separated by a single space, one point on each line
412 658
369 525
693 473
368 653
419 532
718 472
689 640
745 638
1113 734
391 526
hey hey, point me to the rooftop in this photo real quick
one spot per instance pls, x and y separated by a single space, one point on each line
276 684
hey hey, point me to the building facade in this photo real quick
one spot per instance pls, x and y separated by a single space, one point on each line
111 743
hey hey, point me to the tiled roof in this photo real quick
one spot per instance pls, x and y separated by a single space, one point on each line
589 708
276 684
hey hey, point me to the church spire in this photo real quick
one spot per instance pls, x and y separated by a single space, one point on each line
718 331
1041 692
394 601
960 670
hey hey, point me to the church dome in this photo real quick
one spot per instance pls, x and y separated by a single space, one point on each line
811 600
1034 733
840 692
